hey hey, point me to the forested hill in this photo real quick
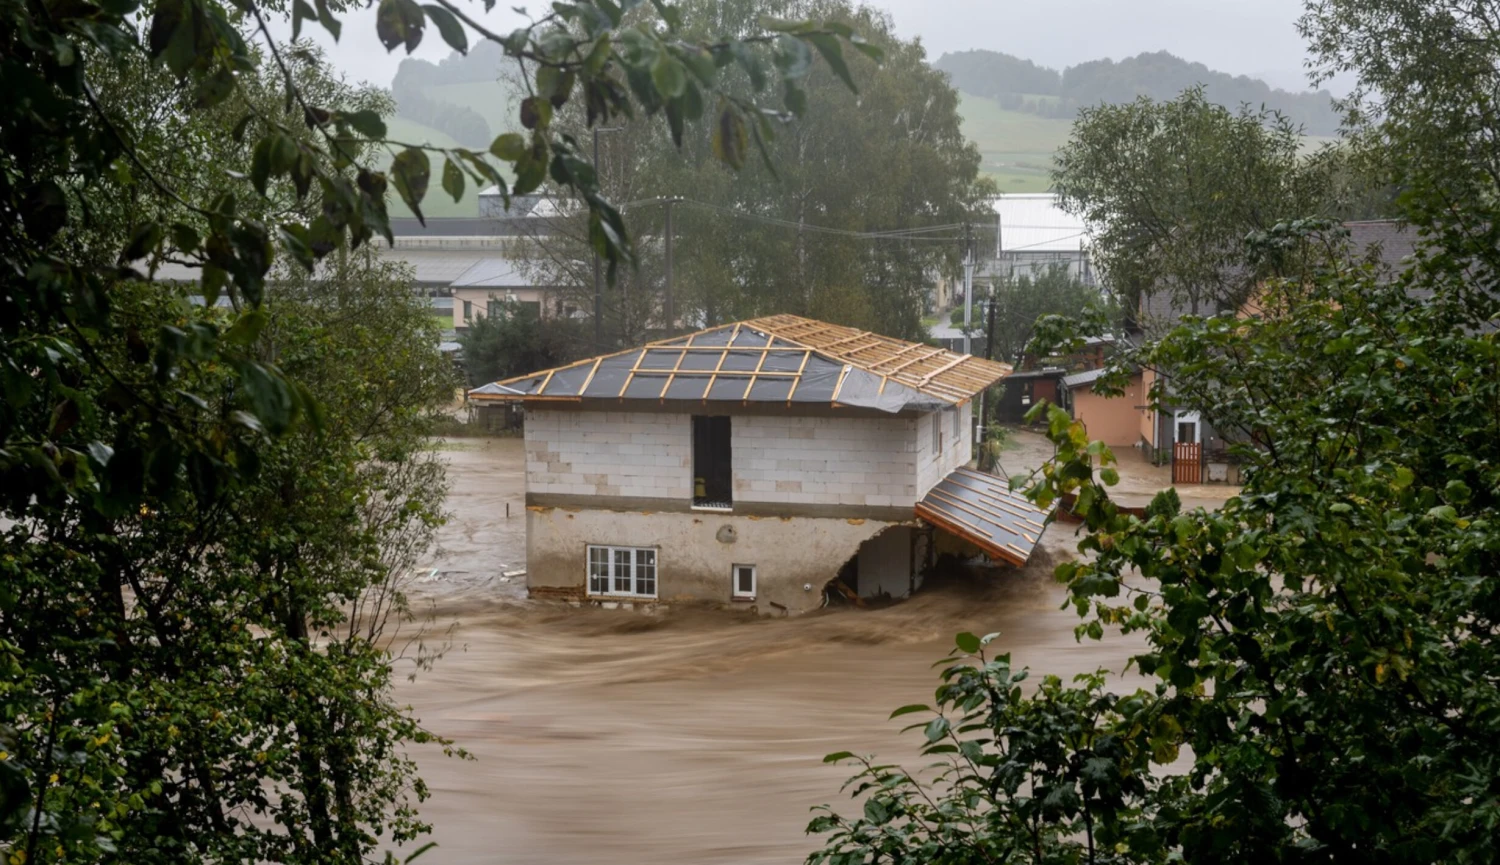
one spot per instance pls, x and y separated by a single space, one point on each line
1022 85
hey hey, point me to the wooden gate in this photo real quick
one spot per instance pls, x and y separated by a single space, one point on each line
1187 463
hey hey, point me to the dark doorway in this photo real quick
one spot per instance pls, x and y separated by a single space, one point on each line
713 471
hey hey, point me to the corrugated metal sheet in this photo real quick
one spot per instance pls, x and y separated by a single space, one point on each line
982 509
1033 222
492 273
785 359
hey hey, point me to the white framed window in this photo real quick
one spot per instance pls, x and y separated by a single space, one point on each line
743 578
622 571
937 432
953 425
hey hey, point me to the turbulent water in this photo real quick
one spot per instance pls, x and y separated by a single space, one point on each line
692 736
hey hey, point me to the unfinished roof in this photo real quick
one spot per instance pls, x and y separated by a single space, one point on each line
780 358
982 509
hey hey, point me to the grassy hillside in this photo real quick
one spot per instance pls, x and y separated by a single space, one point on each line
488 99
1017 147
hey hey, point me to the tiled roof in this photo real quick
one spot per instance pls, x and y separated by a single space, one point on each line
780 358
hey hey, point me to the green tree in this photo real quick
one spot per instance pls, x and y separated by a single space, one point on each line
205 506
1171 189
761 241
1325 644
516 342
1022 299
1422 109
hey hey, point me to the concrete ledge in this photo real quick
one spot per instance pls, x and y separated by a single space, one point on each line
887 514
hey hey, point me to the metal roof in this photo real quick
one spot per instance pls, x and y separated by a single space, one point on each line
492 273
1079 379
1033 222
780 358
983 509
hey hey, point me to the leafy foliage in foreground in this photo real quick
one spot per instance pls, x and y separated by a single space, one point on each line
209 490
1324 647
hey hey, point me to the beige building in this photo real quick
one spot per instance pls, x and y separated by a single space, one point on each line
756 463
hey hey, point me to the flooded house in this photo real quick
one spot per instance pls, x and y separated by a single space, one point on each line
758 463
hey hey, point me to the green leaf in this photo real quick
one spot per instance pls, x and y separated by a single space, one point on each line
143 241
367 123
967 642
1110 477
669 76
536 113
247 327
598 55
730 140
796 102
399 22
867 48
936 729
837 756
793 57
531 168
300 10
509 147
215 88
453 179
419 851
751 63
330 23
410 173
911 709
833 54
448 27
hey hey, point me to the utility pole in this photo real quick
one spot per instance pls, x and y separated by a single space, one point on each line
598 275
968 283
671 312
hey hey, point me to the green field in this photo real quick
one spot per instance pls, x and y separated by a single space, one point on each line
1016 147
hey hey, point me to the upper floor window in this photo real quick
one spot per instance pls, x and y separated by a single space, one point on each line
713 463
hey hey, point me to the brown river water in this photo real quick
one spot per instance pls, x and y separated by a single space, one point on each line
689 736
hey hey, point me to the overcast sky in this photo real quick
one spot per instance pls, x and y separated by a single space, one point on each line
1243 37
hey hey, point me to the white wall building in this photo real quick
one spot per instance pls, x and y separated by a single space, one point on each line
753 463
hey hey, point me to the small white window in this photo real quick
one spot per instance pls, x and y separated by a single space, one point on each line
744 581
622 571
954 414
937 433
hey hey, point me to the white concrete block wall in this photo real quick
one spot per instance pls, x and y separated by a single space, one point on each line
934 465
776 458
825 460
635 454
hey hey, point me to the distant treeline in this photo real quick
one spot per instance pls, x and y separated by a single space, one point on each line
1022 85
461 123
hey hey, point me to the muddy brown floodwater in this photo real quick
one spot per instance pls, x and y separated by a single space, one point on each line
690 736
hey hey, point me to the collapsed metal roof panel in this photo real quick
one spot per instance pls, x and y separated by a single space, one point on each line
781 358
982 509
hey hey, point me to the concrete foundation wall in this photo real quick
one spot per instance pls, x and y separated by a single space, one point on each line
696 551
